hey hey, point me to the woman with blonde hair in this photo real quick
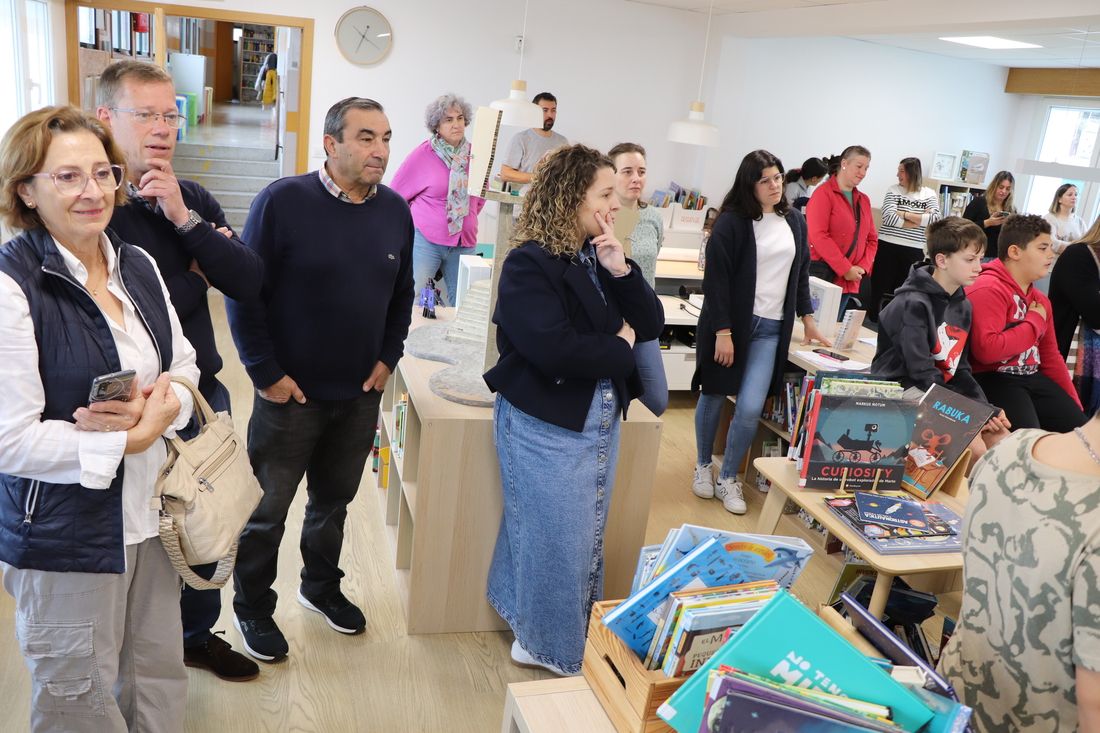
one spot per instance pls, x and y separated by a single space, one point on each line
990 211
569 309
96 599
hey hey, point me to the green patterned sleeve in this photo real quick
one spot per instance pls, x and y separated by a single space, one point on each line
1086 610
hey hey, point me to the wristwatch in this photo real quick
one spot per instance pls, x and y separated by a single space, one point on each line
193 220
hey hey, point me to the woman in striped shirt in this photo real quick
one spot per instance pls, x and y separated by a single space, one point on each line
907 210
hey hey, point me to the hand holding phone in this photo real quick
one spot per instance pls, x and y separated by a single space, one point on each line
831 354
113 386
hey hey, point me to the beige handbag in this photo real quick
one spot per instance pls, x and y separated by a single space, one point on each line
207 492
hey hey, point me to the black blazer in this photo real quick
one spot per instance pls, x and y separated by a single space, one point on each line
729 291
1074 294
556 334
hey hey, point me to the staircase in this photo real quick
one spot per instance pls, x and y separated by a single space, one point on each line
233 175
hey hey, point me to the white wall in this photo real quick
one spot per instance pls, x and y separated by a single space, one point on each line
617 68
815 96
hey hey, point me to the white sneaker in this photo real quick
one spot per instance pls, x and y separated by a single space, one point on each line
702 484
731 493
521 658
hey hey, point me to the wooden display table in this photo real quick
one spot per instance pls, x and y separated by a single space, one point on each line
442 504
784 477
554 706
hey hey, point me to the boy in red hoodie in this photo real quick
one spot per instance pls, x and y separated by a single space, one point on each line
1013 347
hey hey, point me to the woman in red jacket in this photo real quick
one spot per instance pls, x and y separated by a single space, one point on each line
842 234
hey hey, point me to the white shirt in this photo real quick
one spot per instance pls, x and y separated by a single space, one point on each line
774 257
54 450
1064 232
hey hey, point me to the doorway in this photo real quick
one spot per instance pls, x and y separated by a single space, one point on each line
215 57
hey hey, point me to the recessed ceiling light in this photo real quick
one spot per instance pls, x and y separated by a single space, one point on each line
991 42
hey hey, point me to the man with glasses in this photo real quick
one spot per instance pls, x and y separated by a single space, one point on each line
183 227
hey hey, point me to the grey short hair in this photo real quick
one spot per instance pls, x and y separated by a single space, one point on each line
337 113
438 109
115 75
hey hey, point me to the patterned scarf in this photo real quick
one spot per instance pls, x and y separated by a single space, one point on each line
458 198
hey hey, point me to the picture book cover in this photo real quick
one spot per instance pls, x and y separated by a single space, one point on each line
892 511
941 534
700 631
858 443
635 620
946 423
788 643
761 557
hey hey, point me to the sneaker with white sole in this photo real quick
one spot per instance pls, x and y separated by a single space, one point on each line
702 484
521 658
731 493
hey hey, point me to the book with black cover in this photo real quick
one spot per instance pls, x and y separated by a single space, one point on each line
946 423
858 442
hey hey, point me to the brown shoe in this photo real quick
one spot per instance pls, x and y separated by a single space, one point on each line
217 656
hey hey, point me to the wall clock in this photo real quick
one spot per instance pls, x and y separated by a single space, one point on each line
364 36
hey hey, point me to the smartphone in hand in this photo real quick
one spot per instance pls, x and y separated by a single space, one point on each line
113 386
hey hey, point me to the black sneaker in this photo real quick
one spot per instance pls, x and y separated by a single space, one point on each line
217 656
340 613
262 638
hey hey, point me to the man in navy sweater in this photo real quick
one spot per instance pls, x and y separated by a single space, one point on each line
180 224
319 344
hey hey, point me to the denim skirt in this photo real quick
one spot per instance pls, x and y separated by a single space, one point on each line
547 567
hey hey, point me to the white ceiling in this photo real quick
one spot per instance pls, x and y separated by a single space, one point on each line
1067 38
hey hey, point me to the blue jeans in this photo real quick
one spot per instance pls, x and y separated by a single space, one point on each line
651 368
756 380
429 257
547 567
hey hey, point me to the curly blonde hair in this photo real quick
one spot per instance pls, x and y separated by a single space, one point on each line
561 180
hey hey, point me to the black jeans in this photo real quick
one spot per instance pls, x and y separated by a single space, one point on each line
1032 401
327 442
892 265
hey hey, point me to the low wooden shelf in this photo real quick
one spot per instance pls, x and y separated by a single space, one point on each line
442 504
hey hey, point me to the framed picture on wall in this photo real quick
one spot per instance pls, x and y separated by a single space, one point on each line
944 166
973 166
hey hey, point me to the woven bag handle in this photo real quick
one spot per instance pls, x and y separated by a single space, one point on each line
171 541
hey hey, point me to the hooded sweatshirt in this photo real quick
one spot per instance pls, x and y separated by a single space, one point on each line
1007 336
922 338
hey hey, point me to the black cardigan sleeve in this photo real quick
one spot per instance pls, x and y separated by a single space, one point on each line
1074 293
227 262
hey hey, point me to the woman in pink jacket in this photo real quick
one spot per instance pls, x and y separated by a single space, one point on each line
433 179
842 234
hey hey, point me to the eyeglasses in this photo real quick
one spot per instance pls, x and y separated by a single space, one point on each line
144 117
73 181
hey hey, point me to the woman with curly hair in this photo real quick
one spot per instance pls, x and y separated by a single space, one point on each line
570 306
433 179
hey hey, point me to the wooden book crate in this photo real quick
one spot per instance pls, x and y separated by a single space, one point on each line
630 693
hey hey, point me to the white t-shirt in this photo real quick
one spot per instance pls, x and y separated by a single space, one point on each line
1065 232
774 257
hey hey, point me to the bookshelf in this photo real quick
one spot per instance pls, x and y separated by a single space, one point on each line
442 501
257 41
955 195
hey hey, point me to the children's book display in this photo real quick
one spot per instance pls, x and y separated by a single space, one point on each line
938 531
946 423
701 582
786 669
853 433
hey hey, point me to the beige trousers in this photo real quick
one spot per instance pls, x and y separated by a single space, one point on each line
105 651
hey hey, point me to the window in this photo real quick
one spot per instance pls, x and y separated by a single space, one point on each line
1070 135
85 19
26 67
39 63
120 31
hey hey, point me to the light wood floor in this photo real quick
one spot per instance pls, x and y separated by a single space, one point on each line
385 680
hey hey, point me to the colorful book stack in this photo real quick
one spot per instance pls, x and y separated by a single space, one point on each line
853 432
933 528
677 194
786 669
699 583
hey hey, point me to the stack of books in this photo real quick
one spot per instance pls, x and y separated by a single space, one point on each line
677 194
919 528
787 669
696 585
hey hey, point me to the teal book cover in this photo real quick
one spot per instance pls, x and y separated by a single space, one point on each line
788 643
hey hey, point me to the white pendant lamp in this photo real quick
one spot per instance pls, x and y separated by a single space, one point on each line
695 130
519 111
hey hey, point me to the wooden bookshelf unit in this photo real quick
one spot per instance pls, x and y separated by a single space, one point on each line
442 504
